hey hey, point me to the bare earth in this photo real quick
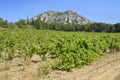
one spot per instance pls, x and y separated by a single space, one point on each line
106 68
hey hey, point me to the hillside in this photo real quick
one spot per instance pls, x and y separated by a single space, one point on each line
62 17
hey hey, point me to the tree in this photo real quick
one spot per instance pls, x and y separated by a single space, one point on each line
21 23
40 24
3 23
117 27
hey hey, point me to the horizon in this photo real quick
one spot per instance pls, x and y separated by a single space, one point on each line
97 11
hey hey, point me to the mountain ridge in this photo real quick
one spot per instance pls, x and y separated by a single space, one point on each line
67 17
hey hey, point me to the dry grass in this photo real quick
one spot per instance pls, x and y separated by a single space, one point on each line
19 70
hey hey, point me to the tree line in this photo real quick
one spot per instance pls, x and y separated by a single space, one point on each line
38 24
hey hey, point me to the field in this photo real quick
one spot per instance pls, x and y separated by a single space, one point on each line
56 50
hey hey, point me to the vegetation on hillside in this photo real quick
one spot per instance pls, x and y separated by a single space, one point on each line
38 24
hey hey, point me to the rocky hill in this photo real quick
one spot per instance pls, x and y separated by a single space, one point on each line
62 17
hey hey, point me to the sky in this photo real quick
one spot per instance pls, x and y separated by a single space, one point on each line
107 11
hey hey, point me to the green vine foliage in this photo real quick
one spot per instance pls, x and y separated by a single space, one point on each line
69 49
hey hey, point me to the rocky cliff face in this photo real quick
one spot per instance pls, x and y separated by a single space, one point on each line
62 17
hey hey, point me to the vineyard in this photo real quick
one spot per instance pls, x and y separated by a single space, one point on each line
68 49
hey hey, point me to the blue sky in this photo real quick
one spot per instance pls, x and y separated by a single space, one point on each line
107 11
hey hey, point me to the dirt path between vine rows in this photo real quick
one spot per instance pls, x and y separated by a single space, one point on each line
106 68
